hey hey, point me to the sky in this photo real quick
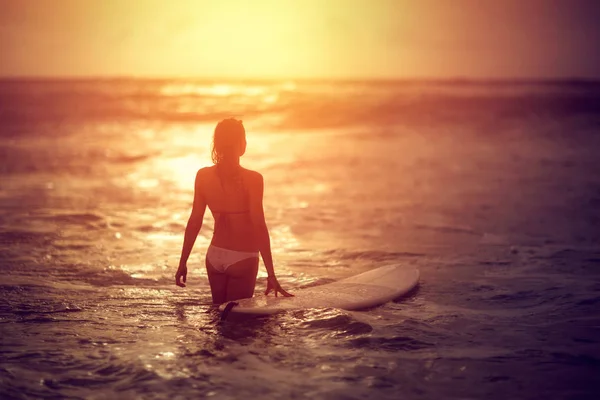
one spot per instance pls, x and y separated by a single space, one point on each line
470 39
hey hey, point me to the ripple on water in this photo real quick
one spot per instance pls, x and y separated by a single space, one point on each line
394 343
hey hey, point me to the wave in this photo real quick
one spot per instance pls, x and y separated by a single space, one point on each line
169 227
76 217
116 277
130 158
448 229
333 320
395 343
303 105
21 237
58 310
371 255
589 301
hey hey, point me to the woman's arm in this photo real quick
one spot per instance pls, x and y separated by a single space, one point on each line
191 232
257 215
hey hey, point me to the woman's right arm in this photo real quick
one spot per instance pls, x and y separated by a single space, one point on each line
257 215
191 232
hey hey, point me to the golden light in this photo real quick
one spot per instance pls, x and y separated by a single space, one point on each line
269 39
278 39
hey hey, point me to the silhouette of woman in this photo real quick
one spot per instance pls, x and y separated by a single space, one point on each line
235 197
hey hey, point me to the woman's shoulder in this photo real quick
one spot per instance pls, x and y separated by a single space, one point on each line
204 172
251 174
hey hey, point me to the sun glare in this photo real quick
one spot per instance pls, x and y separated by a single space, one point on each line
252 38
262 38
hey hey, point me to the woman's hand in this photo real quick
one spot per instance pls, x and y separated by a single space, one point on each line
181 275
273 285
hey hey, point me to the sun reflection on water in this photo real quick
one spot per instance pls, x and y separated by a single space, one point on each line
283 237
219 89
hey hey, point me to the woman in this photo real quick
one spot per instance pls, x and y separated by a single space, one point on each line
234 195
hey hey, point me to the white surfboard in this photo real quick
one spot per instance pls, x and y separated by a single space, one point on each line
365 290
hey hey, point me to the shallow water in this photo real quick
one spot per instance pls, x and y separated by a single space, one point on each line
489 190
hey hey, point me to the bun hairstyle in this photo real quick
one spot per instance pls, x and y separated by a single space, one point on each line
229 140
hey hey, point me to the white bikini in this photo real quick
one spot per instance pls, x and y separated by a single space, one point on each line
221 259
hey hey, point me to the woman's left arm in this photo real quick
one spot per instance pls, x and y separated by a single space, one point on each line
191 231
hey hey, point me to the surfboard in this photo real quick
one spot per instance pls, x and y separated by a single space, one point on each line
369 289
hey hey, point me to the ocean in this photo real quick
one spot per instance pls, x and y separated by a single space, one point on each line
490 188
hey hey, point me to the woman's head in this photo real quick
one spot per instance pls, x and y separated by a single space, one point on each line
229 140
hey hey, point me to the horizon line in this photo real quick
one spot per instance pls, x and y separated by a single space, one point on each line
380 79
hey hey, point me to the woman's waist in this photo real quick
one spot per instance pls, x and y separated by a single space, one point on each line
234 242
217 251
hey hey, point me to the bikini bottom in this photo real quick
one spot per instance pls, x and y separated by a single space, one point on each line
221 259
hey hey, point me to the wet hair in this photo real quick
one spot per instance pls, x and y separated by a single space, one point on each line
229 135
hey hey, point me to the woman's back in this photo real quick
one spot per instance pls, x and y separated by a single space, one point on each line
226 191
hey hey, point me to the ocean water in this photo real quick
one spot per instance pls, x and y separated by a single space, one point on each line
490 189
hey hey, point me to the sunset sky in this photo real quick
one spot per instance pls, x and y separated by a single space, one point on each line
301 38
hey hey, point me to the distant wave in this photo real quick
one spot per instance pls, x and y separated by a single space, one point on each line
448 229
302 105
130 158
397 343
21 237
371 255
